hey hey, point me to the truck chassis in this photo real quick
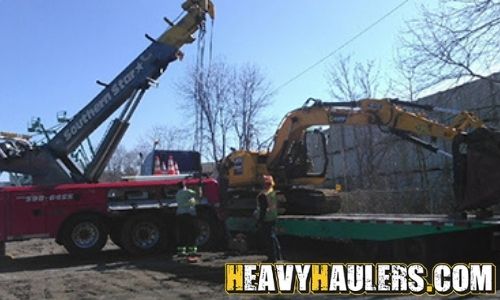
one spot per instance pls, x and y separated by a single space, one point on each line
137 216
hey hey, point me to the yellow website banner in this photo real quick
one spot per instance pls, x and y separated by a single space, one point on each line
359 279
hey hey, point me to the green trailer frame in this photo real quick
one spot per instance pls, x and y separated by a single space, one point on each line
369 227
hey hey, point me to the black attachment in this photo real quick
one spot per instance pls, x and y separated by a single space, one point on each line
316 102
420 142
168 22
101 83
150 38
412 104
476 167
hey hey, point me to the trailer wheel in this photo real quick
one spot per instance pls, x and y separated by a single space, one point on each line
209 231
84 235
143 235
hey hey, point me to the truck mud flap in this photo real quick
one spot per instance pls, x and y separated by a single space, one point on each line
476 168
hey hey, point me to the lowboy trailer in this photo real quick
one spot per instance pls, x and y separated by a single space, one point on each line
397 237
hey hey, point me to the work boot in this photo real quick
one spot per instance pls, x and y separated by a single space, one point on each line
192 256
192 251
181 251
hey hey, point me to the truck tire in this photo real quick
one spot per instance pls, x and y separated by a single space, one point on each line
143 235
209 231
2 249
84 235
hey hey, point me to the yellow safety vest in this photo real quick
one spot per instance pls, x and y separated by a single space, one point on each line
272 205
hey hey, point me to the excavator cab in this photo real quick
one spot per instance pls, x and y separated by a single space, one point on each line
245 168
240 177
304 161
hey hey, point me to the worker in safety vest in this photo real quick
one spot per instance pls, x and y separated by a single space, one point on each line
267 213
186 221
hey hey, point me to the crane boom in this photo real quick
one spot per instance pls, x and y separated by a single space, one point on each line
138 75
50 163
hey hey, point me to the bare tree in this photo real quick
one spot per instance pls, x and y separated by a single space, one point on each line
252 95
122 163
350 81
208 94
458 39
167 138
227 102
405 83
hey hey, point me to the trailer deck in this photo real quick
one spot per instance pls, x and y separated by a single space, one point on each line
374 227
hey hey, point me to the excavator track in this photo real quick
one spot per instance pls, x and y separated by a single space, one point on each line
312 201
298 201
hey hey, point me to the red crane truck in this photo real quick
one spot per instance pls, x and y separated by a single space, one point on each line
67 203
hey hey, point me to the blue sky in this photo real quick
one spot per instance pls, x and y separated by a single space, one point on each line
53 51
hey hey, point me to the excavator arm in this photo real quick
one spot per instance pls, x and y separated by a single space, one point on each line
387 113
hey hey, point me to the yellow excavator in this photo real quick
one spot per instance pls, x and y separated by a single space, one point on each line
476 154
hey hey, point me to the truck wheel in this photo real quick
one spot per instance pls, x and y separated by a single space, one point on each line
142 235
209 231
84 235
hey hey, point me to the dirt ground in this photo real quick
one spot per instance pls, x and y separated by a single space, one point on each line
41 269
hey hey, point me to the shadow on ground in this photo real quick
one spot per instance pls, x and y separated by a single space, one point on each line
210 269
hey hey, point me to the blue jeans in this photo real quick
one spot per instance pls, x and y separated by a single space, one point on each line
269 241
